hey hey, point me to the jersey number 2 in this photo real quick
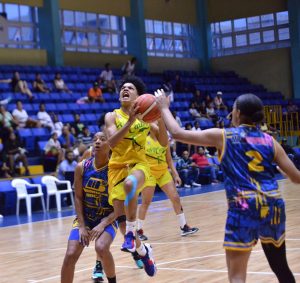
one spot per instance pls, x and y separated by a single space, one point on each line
253 165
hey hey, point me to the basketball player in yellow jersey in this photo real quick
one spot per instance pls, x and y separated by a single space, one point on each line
159 158
128 168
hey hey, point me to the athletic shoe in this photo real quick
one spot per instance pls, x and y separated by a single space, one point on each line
137 260
187 186
98 273
196 184
148 261
141 235
129 242
187 230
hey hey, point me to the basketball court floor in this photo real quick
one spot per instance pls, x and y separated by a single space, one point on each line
33 251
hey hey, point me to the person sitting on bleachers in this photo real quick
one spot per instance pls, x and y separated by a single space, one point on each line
44 118
58 125
196 126
128 69
77 126
188 171
15 154
177 118
211 113
168 88
95 93
67 140
4 169
208 100
7 121
194 112
178 85
202 162
67 165
22 118
59 84
197 99
107 80
18 85
218 101
85 137
39 85
53 148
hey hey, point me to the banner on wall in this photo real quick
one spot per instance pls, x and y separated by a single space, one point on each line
3 29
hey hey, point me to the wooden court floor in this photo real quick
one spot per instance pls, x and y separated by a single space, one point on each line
34 252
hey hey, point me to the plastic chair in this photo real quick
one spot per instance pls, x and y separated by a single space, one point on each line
21 186
50 182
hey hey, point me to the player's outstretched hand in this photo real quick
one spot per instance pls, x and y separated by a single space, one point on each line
161 99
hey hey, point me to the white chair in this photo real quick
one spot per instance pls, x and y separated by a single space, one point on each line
51 185
21 186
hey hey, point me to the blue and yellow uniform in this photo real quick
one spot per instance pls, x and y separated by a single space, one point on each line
256 209
127 156
157 159
95 199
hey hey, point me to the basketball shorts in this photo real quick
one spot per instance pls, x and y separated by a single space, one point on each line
244 228
117 176
159 178
111 229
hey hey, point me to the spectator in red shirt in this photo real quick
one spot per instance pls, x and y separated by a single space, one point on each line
202 162
95 93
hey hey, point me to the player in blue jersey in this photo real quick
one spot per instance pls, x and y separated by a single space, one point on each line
95 217
256 209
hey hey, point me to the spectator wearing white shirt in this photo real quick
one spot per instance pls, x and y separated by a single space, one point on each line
107 79
196 126
60 84
45 118
177 118
58 125
129 67
22 118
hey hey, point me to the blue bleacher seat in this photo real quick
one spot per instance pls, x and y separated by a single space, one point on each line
27 138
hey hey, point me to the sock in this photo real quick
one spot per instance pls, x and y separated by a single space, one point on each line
130 226
112 279
182 220
99 264
140 224
141 250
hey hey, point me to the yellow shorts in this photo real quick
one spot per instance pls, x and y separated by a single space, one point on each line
117 176
159 178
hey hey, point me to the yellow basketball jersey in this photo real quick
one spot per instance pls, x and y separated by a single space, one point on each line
131 149
156 155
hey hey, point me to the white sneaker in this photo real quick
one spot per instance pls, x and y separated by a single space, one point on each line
196 184
187 186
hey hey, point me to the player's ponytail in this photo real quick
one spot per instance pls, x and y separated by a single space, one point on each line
251 108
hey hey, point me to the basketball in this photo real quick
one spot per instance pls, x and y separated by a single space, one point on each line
149 112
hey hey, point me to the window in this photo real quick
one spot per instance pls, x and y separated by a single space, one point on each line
169 39
250 34
91 32
21 26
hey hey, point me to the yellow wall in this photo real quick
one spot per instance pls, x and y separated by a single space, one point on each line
37 3
271 68
183 11
160 64
111 7
96 60
220 10
13 56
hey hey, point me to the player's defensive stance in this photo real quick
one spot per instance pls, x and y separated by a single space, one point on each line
95 217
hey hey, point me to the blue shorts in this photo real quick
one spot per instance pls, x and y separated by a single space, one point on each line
244 228
111 229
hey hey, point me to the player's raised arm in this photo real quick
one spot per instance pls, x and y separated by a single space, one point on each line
285 164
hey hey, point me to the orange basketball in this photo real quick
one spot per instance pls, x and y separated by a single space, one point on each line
148 108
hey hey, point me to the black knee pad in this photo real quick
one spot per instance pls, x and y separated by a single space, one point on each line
121 218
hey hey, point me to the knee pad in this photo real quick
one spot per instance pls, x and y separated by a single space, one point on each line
131 195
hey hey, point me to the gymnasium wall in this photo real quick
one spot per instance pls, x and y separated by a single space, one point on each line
37 3
271 68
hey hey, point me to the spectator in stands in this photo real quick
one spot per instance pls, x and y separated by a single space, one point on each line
77 126
60 85
86 137
4 169
178 85
188 171
58 125
218 101
44 118
95 93
291 107
202 162
128 68
207 101
7 121
194 112
196 126
211 113
53 148
106 79
18 85
168 88
197 99
15 154
22 118
39 85
67 165
177 118
66 140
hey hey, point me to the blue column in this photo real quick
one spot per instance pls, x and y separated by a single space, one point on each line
202 35
50 32
136 34
294 19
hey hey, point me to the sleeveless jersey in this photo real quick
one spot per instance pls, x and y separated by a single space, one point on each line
156 155
95 191
131 149
246 161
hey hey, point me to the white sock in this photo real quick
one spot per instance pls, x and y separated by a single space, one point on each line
182 220
130 227
141 250
140 224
